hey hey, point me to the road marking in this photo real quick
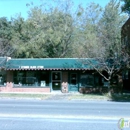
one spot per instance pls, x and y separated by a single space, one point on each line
61 116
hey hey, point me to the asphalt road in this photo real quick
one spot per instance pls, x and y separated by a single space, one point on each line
56 124
61 115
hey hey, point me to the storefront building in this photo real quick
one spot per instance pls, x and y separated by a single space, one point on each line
47 75
125 40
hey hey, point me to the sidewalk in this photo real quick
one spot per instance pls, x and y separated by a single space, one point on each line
51 93
56 95
66 96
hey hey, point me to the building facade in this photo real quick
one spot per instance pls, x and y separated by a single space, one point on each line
125 39
125 35
47 75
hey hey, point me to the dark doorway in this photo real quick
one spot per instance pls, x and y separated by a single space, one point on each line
56 80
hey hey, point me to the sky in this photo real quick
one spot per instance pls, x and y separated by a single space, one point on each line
11 8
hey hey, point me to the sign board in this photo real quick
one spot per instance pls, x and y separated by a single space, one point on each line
31 67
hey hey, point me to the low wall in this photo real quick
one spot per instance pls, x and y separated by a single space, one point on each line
9 88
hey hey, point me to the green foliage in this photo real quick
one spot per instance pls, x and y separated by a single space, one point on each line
126 6
45 34
86 33
111 25
59 30
98 36
6 34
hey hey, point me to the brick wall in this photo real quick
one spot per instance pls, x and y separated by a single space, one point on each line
11 89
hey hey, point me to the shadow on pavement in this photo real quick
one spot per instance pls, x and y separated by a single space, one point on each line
120 97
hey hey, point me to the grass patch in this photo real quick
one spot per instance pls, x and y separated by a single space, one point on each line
89 96
19 95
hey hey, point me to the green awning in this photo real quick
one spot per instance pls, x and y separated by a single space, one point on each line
47 64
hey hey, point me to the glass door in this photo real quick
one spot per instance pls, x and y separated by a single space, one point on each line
73 82
56 80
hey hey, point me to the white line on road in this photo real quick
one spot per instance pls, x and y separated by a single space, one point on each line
62 116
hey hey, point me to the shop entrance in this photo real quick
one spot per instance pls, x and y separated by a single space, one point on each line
56 80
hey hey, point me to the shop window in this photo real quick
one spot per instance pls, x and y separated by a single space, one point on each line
2 78
87 80
105 82
44 78
73 79
96 80
56 76
31 78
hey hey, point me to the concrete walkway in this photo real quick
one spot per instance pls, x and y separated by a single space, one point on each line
59 97
54 95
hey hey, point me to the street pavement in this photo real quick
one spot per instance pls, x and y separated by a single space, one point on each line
33 114
56 124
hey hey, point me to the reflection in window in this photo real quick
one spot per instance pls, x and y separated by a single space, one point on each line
31 78
87 80
56 76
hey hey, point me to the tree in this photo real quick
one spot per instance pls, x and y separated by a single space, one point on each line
59 34
48 32
107 50
19 37
6 48
111 24
5 37
126 6
86 31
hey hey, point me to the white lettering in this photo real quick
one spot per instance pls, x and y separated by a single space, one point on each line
127 124
32 67
24 67
40 67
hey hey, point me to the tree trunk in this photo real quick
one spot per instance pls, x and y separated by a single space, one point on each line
109 88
